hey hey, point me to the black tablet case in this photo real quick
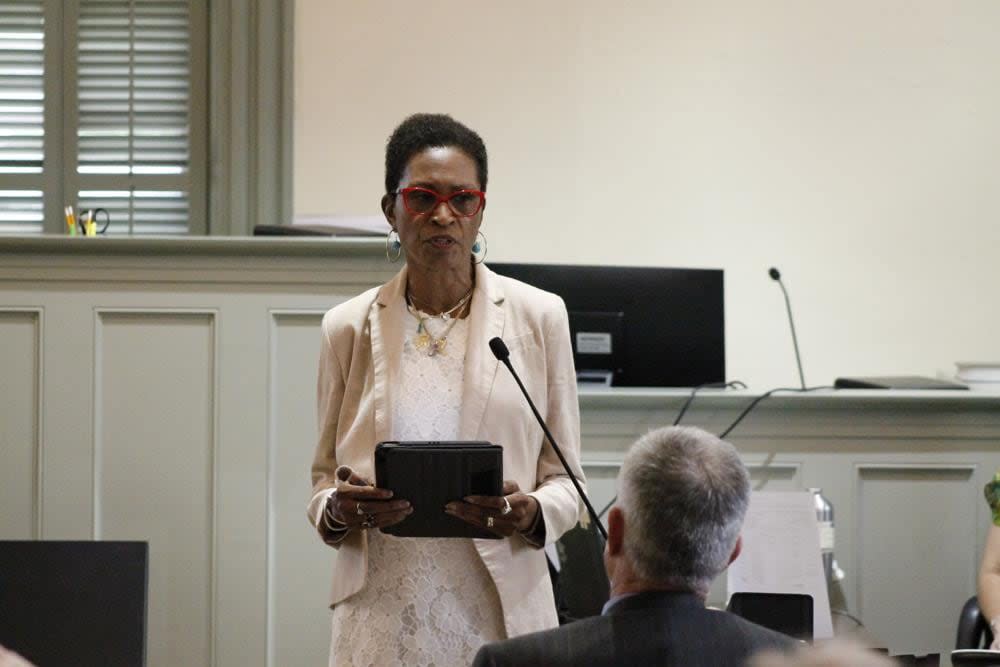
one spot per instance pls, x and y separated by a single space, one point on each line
432 474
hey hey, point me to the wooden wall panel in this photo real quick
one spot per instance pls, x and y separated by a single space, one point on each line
915 524
770 475
154 403
299 564
602 477
20 446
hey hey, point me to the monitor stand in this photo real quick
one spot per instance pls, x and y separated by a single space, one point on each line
600 378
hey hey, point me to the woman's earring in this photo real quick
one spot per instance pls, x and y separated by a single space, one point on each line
393 248
479 248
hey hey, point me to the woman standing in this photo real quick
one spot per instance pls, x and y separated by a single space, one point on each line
410 360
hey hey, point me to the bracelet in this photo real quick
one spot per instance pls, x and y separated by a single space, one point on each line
333 529
339 526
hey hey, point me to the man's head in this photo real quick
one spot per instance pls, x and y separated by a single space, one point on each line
682 496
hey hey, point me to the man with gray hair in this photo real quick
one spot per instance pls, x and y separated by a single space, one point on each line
682 496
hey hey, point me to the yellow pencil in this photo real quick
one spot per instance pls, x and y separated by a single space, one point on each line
70 220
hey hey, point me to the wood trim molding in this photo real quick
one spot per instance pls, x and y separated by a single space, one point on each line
250 99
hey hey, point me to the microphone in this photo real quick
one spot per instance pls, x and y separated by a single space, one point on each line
776 277
500 351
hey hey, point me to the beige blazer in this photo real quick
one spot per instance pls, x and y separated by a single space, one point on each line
362 342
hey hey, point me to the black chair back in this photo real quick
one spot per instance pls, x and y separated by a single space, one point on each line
973 630
74 603
582 583
787 613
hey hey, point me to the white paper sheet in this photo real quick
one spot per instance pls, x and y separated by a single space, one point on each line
781 553
553 553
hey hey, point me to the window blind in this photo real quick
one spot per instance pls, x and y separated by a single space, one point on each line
133 132
22 99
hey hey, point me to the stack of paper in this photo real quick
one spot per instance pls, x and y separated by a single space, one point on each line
982 375
781 553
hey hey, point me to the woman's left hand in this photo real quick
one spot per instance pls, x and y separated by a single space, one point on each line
490 512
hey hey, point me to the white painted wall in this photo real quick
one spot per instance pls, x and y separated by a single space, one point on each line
854 144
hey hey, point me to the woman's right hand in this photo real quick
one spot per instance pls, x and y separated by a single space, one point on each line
359 504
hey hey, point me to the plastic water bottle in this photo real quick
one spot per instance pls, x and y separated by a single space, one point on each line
824 519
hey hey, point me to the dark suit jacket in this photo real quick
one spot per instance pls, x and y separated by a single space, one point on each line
652 628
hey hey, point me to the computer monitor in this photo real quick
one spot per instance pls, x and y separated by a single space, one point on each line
74 603
638 326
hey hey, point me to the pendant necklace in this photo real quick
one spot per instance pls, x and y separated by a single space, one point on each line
424 340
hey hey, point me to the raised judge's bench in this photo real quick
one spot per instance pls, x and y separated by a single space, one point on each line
163 390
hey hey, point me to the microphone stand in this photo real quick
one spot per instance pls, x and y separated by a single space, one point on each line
501 352
776 276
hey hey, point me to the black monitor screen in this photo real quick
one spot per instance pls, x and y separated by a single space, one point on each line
788 613
74 603
637 326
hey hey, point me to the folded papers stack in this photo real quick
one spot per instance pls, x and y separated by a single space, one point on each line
979 375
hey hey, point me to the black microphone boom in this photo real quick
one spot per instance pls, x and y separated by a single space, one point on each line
500 351
776 277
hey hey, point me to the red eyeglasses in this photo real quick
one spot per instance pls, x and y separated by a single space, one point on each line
464 203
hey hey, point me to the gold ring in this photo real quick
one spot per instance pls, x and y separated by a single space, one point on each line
506 509
489 522
360 511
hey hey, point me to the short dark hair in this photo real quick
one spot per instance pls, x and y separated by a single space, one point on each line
430 130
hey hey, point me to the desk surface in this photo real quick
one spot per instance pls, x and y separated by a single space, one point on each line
652 396
188 245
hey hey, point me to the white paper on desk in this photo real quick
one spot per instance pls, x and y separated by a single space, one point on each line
781 553
553 553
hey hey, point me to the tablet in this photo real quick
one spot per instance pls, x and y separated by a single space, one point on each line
433 474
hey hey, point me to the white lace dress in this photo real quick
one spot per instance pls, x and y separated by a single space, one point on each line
425 601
